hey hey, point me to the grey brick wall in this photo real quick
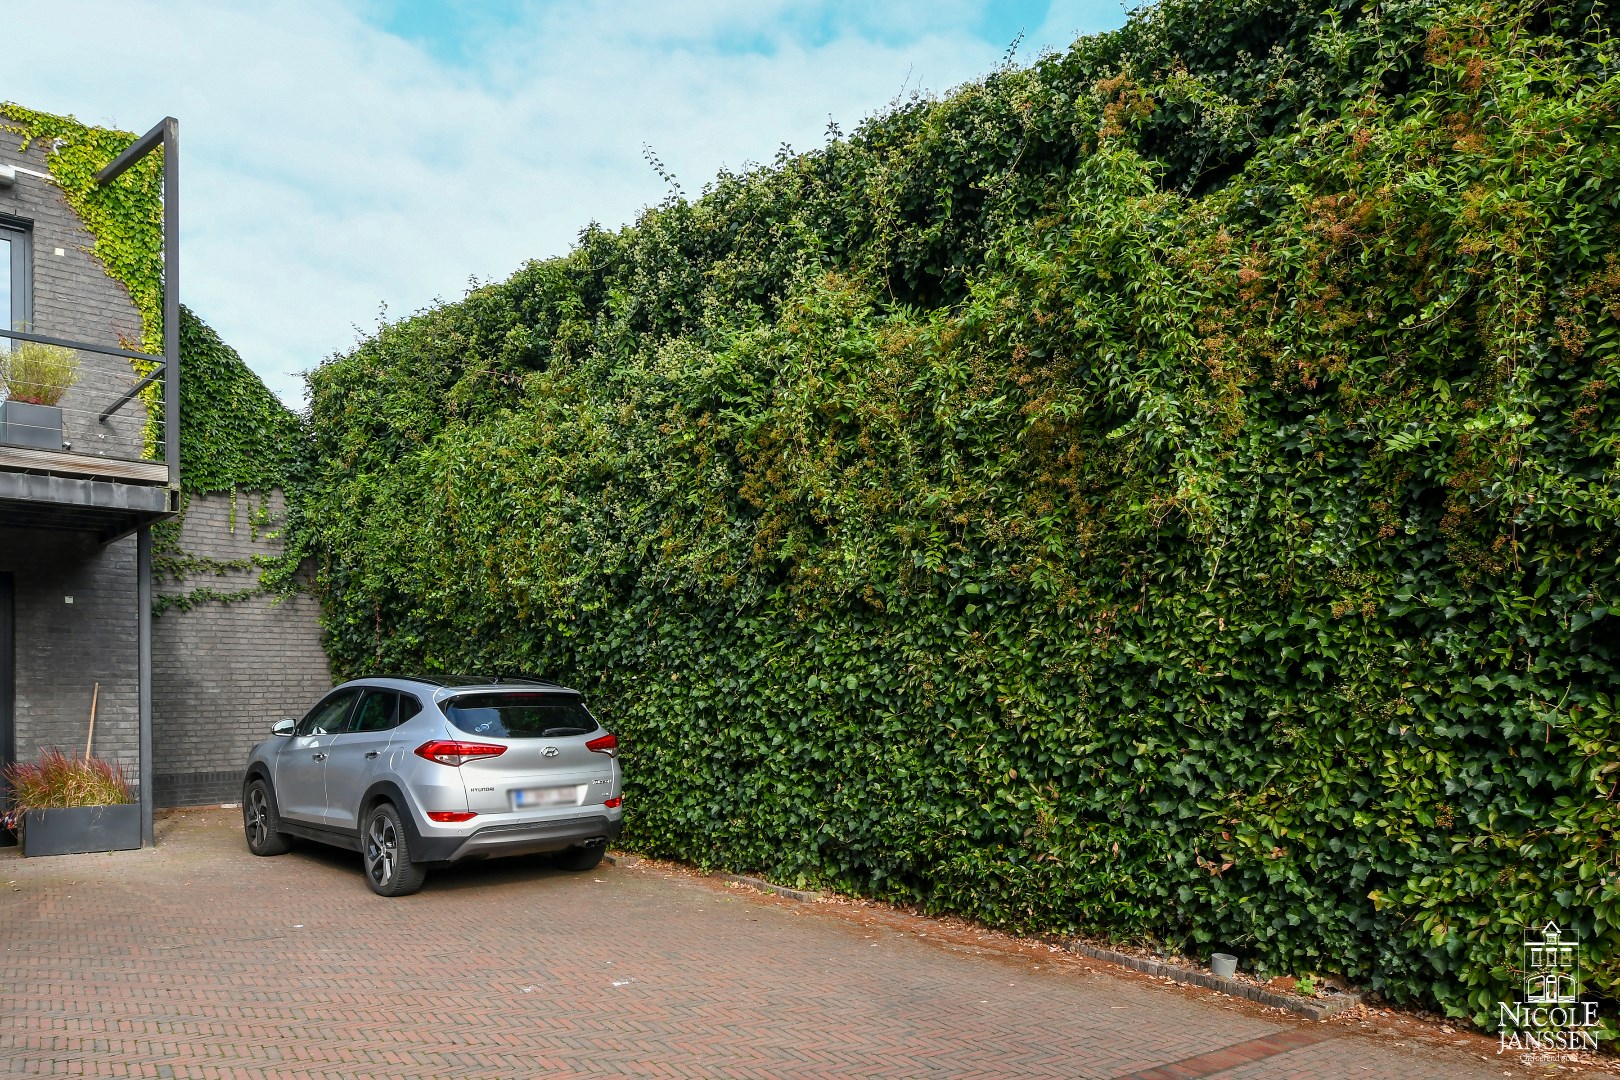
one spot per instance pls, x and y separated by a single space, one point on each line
74 298
224 673
63 650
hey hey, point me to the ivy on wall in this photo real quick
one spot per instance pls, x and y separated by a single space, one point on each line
234 433
1170 492
125 217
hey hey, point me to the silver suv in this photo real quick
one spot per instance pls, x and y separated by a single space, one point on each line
414 773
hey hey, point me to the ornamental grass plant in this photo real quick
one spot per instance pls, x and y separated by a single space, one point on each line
60 781
38 374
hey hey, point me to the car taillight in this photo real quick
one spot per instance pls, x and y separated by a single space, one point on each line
613 802
451 815
450 752
607 744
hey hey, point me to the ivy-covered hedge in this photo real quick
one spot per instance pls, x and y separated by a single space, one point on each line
1170 492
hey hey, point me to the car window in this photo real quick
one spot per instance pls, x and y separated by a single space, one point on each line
329 716
520 715
376 711
409 706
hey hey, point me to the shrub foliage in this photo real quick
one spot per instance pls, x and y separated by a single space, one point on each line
37 374
1169 492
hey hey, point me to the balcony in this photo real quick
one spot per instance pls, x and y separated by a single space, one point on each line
93 459
89 424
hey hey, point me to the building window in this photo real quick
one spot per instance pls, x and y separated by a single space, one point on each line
14 249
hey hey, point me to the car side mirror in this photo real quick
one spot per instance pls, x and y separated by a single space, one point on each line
285 728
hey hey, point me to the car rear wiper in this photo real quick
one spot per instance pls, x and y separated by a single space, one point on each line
549 732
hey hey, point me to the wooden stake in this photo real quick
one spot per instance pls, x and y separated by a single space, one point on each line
94 694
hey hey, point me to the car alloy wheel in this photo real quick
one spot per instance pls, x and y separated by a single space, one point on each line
382 851
258 826
387 853
260 821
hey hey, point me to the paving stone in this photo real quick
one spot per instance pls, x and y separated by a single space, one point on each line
198 960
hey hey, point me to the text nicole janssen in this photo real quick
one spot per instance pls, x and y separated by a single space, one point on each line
1542 1027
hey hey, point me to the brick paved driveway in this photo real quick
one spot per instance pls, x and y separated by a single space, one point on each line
198 960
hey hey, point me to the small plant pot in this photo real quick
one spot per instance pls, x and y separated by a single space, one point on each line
81 828
38 427
1223 965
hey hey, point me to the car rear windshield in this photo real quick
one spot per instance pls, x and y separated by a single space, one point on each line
520 715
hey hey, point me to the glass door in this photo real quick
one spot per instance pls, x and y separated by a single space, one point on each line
13 280
5 275
6 310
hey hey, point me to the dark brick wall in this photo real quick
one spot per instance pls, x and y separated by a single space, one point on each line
63 650
75 299
224 673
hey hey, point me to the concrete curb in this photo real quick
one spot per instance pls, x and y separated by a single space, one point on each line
805 896
1311 1008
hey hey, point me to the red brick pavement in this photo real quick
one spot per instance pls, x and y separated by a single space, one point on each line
1230 1057
198 960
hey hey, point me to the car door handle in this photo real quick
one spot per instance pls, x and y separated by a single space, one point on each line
320 757
373 753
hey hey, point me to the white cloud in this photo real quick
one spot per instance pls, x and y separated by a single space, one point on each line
330 166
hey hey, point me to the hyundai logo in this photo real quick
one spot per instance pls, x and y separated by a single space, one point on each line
550 751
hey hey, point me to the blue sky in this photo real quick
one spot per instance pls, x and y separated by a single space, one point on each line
346 155
455 32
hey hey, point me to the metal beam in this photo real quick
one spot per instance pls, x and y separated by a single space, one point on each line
130 394
143 633
81 346
167 136
106 511
8 674
171 299
137 150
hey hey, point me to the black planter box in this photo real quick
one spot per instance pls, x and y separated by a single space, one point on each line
36 426
81 828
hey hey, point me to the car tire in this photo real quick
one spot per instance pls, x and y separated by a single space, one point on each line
385 849
583 857
261 821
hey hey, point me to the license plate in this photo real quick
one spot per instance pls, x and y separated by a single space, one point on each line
549 796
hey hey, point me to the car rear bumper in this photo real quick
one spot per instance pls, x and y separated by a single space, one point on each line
519 838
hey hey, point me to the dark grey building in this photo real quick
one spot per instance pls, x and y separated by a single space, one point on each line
85 471
178 698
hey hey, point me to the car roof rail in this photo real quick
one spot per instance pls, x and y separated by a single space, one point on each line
407 678
526 678
502 679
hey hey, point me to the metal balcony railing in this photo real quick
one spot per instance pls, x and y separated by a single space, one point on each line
80 400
